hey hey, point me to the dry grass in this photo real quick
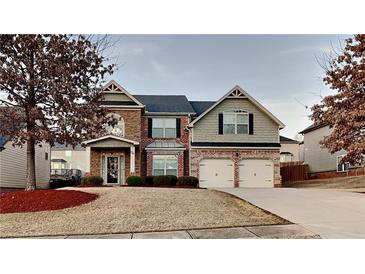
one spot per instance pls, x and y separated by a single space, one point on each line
119 210
349 183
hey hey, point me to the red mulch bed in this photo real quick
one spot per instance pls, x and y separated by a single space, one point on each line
43 200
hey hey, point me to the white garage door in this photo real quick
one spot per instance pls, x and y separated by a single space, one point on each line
256 173
216 173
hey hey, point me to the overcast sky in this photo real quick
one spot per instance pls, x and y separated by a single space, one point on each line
280 71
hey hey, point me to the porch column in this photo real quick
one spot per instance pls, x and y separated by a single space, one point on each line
132 160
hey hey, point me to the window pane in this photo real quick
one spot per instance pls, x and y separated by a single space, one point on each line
170 132
170 123
157 122
158 163
242 129
171 164
158 172
171 172
228 118
242 119
157 132
228 129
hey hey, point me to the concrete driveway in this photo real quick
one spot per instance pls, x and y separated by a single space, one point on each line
329 213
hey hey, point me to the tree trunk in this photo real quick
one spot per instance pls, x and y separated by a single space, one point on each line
31 181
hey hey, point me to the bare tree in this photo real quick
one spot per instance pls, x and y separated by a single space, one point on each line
51 86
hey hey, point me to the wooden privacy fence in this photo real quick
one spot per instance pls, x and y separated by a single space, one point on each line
293 171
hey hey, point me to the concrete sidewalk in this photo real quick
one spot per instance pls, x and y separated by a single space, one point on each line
291 231
329 213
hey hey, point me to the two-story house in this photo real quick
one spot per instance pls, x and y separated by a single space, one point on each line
233 142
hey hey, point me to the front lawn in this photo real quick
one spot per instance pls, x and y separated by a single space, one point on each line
119 210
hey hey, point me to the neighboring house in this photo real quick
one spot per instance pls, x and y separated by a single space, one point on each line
233 142
321 162
67 157
289 151
13 165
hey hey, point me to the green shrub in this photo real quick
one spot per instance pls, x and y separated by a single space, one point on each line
134 181
166 180
92 180
148 180
187 181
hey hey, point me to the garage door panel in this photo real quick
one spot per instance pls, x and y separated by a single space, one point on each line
256 173
216 173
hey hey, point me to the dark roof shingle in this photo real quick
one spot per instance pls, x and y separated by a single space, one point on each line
201 106
165 103
286 140
312 127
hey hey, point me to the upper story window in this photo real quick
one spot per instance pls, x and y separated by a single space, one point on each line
164 128
118 129
235 122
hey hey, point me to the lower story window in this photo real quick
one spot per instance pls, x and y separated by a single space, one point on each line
342 167
164 165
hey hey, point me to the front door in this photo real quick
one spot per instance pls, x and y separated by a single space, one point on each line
112 170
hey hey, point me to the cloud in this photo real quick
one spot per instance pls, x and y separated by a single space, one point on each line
160 69
291 113
137 48
319 49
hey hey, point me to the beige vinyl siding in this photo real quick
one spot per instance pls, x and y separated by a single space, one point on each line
265 129
76 159
13 166
293 149
319 159
116 97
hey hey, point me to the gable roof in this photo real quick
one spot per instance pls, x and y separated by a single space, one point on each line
201 106
166 103
286 140
112 87
238 92
111 137
312 127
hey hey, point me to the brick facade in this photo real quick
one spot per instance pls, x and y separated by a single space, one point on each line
96 165
236 155
183 156
178 154
359 171
132 123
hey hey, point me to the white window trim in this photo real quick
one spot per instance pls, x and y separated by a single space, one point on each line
237 112
164 127
165 157
343 165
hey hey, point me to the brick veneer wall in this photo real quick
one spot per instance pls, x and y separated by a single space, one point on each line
196 155
95 160
178 154
183 157
334 174
132 131
132 123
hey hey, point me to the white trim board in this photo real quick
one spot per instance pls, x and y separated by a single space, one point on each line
112 137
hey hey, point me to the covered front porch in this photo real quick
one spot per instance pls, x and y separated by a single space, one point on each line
114 159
